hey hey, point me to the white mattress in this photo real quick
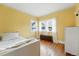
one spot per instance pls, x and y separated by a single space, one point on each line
12 42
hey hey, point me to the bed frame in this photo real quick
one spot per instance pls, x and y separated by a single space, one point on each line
28 50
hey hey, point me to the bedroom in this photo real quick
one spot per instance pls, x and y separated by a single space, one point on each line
16 21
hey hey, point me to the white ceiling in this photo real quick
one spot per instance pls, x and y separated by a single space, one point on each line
39 9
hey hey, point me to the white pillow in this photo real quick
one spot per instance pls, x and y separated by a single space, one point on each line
9 35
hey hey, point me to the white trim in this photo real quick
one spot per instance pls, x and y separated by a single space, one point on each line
55 41
60 41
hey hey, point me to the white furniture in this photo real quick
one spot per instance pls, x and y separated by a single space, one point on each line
72 40
14 45
28 49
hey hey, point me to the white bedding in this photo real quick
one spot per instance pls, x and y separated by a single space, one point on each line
8 43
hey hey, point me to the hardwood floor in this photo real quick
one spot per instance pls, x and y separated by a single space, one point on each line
51 49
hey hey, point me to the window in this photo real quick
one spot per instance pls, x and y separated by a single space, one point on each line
34 25
51 24
42 26
47 25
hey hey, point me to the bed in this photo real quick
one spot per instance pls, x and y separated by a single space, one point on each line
19 46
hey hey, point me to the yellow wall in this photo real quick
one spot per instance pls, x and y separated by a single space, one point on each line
64 18
12 20
77 17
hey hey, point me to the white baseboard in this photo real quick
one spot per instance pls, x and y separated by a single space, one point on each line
58 41
62 42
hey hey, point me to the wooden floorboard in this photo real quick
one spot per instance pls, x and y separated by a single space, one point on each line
52 49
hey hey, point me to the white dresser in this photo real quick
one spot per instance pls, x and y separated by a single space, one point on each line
72 40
